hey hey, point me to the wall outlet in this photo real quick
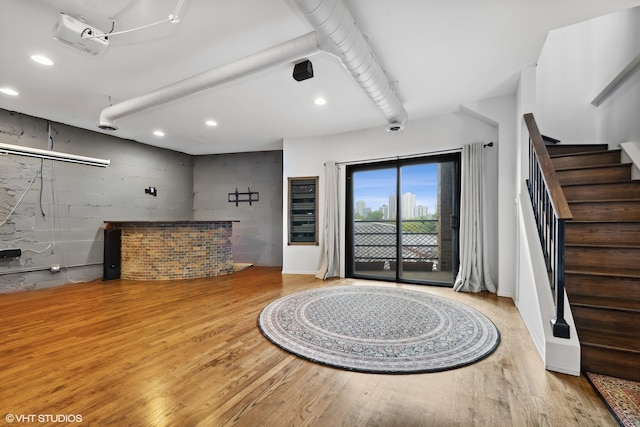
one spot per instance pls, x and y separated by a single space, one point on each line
55 268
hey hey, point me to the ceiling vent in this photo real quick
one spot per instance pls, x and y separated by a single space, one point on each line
77 34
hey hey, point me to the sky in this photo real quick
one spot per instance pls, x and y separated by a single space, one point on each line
375 186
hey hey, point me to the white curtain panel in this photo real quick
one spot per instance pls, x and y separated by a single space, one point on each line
473 275
330 238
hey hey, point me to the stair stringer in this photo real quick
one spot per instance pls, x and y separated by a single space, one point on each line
534 299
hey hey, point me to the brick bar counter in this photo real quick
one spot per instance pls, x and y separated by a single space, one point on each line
166 250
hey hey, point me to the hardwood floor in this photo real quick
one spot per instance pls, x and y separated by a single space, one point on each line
187 353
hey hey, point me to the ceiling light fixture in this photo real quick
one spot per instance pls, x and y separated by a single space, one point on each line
211 123
40 59
8 91
52 155
320 101
158 133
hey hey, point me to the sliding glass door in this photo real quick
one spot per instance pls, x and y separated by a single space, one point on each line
402 220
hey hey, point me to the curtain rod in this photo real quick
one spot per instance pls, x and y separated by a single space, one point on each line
429 153
381 159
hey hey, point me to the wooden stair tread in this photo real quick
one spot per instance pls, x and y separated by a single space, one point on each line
602 200
604 166
597 221
601 244
630 182
611 211
580 153
565 149
585 153
594 174
603 225
606 271
608 340
605 303
617 190
586 159
627 288
618 245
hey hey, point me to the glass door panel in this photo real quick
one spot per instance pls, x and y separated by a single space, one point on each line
426 249
402 223
374 222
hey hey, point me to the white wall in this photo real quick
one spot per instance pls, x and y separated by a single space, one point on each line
565 87
631 154
525 103
618 115
535 302
306 157
502 110
576 64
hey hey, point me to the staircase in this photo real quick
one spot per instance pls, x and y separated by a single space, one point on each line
602 256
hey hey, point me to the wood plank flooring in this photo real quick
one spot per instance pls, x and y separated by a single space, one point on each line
189 353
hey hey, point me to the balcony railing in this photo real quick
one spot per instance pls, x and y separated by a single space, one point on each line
377 241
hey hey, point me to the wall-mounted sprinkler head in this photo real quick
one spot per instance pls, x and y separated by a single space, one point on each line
394 127
152 191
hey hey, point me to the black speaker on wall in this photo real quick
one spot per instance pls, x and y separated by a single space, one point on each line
112 245
303 71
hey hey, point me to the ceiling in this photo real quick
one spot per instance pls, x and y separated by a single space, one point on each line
442 54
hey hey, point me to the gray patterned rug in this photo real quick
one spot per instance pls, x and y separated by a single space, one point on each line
379 329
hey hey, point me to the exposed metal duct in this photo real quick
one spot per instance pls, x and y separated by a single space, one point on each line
335 33
284 53
333 21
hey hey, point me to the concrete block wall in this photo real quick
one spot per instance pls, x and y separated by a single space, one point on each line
77 199
257 237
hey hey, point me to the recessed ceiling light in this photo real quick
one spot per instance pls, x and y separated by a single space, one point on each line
158 133
320 101
42 60
211 123
8 91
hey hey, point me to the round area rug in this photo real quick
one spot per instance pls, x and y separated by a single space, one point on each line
379 329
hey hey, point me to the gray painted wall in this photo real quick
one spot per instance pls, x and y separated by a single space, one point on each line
257 237
77 199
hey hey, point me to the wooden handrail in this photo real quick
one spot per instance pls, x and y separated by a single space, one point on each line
551 210
556 196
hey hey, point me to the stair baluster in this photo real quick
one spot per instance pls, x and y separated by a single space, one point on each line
551 210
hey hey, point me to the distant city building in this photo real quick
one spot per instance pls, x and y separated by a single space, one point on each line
408 203
392 206
409 208
385 211
421 211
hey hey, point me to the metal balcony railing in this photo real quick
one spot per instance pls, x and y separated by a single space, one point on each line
376 241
